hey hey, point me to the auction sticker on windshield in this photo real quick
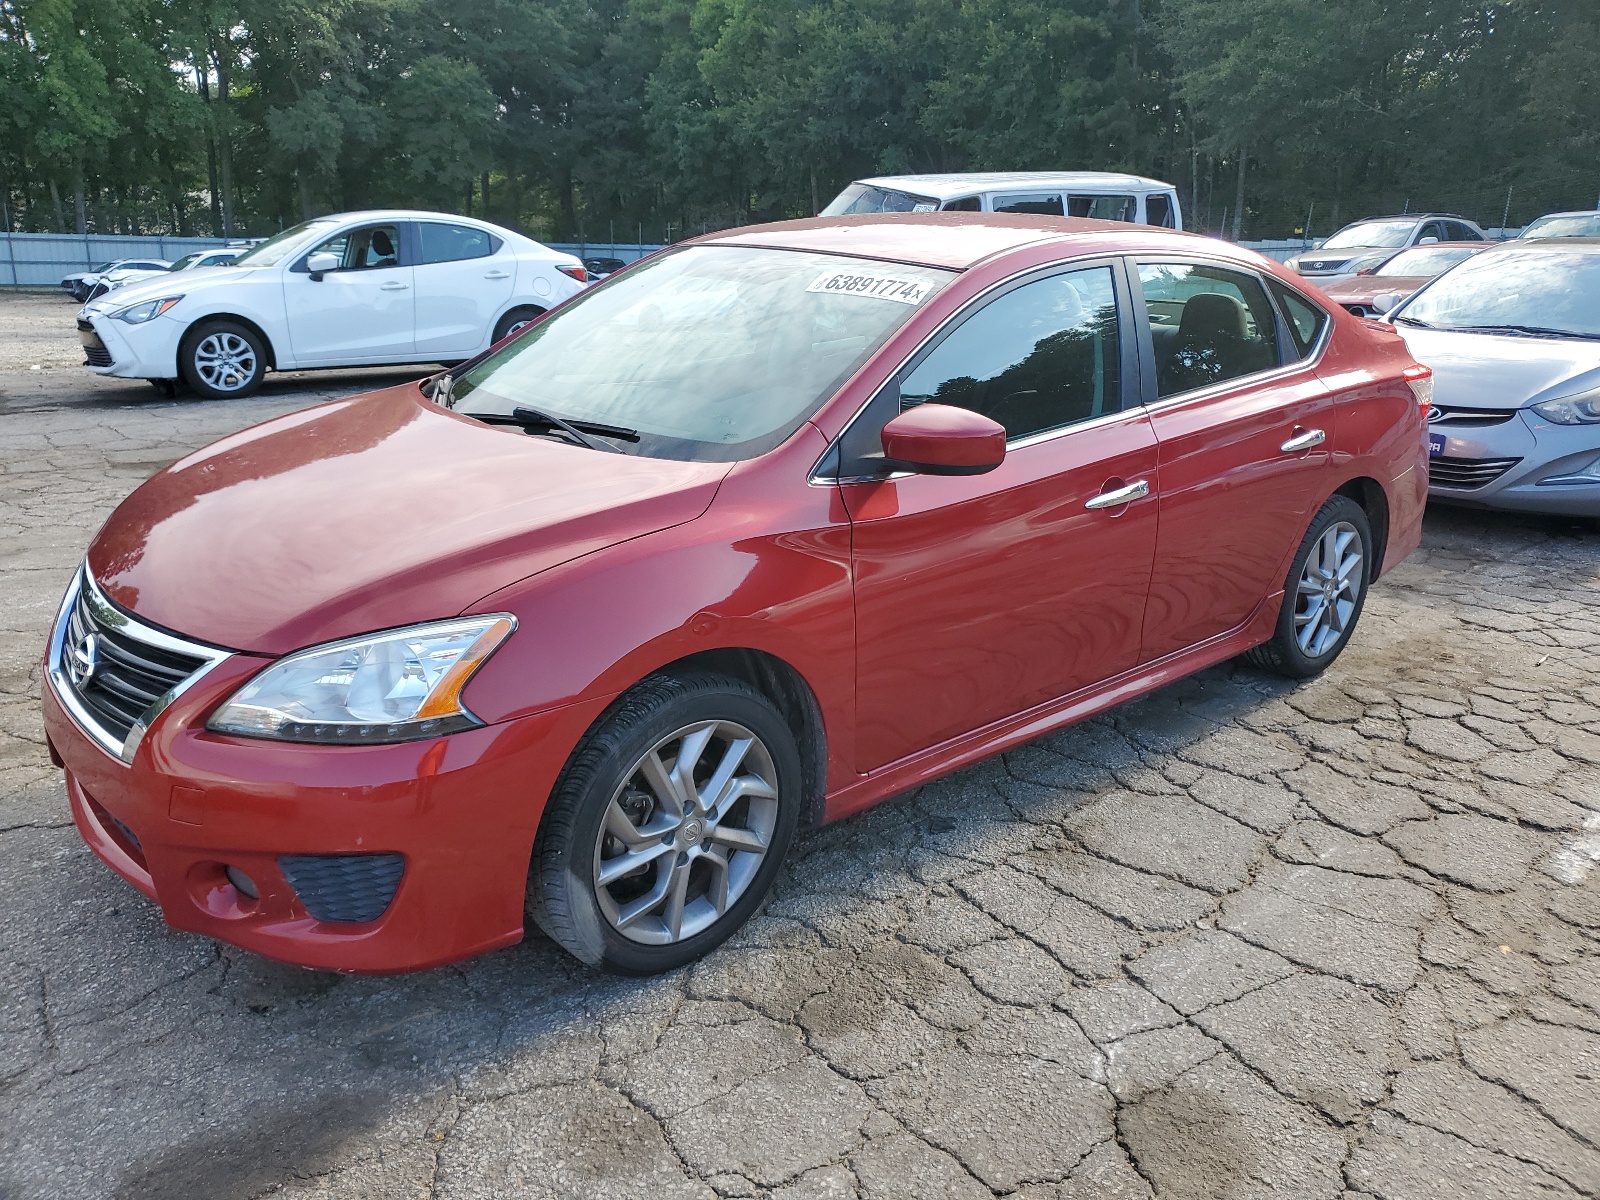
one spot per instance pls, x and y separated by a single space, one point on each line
876 287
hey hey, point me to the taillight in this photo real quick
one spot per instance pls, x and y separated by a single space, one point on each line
1421 380
578 273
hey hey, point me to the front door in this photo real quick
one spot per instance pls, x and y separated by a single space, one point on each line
978 597
362 311
1245 432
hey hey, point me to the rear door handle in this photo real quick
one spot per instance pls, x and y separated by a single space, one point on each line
1304 441
498 275
1137 490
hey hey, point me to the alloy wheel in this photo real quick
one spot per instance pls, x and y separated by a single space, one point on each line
684 836
225 361
1329 588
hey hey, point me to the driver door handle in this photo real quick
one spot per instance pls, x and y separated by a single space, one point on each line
1304 441
394 285
1136 490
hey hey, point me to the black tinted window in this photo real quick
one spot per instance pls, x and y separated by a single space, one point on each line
1305 318
1039 357
1158 211
965 204
451 243
1102 208
1047 206
1208 325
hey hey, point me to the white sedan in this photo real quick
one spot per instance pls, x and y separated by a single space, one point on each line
357 289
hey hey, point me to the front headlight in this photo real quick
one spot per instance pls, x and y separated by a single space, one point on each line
383 687
1582 409
149 310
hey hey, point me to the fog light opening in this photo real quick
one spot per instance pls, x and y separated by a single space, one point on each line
243 884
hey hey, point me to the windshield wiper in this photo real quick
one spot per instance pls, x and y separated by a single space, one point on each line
577 431
1414 321
1528 331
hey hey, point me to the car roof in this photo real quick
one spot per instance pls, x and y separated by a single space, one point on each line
1577 212
1416 216
1548 245
958 240
948 187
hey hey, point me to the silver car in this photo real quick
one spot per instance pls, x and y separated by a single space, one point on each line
1513 337
1369 242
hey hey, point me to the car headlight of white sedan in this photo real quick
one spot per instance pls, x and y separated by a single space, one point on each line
147 310
383 687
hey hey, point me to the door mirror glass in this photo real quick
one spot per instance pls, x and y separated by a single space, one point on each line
940 439
321 263
1384 301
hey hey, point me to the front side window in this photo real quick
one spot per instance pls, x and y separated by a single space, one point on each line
1102 208
1208 325
1039 205
710 353
452 243
965 204
364 249
1039 357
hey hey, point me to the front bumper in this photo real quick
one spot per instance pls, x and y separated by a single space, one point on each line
147 351
460 812
1544 461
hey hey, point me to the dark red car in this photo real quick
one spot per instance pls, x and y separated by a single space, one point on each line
1397 277
763 530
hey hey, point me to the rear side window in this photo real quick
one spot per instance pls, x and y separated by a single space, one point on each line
1040 357
1039 205
452 243
1306 320
1158 210
965 204
1102 208
1207 325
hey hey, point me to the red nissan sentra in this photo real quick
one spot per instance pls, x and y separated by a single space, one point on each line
763 530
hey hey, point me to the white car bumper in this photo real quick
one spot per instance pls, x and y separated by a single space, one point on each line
147 351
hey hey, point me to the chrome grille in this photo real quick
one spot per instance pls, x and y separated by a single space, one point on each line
95 353
113 673
1469 418
1467 474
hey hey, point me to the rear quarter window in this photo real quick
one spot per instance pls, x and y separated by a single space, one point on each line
1306 320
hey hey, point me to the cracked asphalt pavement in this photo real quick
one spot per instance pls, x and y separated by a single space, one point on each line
1241 938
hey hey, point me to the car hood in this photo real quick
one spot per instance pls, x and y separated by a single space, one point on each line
370 513
1363 288
164 283
1486 370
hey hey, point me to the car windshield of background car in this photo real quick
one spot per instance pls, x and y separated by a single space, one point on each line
1424 262
1545 288
280 246
712 353
865 198
1371 233
1583 225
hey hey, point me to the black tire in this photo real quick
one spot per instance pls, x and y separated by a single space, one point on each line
219 341
515 319
564 887
1285 654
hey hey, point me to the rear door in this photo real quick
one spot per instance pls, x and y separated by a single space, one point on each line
979 597
362 311
1244 427
464 278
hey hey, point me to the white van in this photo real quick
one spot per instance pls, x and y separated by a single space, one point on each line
1101 194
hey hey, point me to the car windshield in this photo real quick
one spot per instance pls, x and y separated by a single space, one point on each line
868 198
1371 233
280 246
1573 225
1426 261
1549 288
711 353
188 260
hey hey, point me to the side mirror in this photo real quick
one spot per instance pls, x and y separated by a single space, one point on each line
320 264
1428 241
1386 302
940 439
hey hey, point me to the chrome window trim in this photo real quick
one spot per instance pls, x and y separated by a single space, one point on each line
1309 362
105 612
1062 267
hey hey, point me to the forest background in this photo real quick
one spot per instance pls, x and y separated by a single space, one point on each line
614 119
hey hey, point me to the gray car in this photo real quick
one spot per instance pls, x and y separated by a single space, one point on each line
1513 337
1369 242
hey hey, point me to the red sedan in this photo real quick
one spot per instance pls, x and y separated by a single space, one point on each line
763 530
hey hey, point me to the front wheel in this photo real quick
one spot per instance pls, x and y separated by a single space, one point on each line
667 827
222 360
1324 593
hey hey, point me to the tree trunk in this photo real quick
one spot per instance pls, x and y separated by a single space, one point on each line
61 216
569 202
305 193
224 138
1238 199
79 212
486 195
203 84
814 209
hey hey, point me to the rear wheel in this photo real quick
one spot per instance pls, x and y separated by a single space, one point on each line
1324 593
222 360
515 320
668 826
